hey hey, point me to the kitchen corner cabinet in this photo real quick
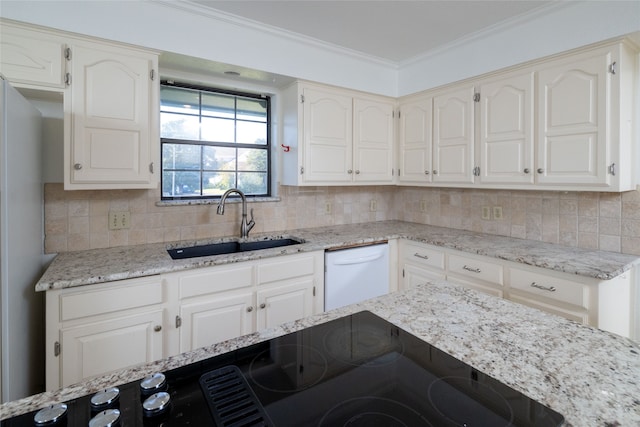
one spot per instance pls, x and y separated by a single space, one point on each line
93 330
604 304
112 112
564 123
336 137
219 303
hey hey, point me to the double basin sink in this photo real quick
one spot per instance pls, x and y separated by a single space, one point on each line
222 248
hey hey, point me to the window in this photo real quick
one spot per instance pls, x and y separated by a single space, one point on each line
213 140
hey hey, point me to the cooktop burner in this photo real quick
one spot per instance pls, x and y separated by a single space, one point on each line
359 370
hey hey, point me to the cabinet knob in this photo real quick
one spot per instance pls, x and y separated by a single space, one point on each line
350 171
157 328
357 172
435 172
77 166
263 305
426 172
540 170
526 170
249 309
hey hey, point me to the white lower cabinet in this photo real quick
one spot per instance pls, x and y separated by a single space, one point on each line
93 330
604 304
218 303
97 329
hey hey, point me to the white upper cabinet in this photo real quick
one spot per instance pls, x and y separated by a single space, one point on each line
584 120
336 137
414 142
453 136
113 113
29 56
327 136
564 123
506 130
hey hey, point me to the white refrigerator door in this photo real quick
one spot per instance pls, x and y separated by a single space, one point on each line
21 246
354 275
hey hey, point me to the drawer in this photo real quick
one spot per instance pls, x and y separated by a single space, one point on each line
475 269
542 285
215 279
288 267
116 296
428 256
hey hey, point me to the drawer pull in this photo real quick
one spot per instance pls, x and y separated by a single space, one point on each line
544 288
421 256
471 269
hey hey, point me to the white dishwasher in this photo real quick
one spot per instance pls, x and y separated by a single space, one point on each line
355 274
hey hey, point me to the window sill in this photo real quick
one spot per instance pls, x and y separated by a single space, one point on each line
190 202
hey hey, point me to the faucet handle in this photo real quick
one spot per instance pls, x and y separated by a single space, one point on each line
251 221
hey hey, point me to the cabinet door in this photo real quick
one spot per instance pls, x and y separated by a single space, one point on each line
453 137
572 122
373 141
114 109
415 141
506 130
31 57
215 318
283 303
413 275
108 345
327 138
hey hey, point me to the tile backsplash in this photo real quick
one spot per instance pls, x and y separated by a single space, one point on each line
77 220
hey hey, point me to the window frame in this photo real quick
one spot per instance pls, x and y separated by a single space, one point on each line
267 147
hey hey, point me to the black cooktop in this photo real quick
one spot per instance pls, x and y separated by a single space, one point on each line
359 370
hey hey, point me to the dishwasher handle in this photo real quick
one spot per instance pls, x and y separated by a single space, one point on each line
358 260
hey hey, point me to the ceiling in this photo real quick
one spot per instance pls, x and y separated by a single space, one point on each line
392 30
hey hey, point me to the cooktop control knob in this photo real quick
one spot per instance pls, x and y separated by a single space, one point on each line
50 415
156 404
106 418
104 399
153 384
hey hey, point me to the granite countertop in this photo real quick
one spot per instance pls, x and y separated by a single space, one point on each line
590 376
103 265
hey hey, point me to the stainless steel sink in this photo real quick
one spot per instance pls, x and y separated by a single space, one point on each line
222 248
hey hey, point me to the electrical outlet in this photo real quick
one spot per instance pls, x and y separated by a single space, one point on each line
497 212
373 205
327 208
486 212
423 205
119 220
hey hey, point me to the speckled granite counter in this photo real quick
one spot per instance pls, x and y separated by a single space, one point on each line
103 265
590 376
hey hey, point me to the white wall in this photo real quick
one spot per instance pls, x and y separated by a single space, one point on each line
569 26
182 28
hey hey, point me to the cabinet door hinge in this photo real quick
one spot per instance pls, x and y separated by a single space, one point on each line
399 112
612 67
314 291
476 97
151 167
56 349
301 170
67 54
612 169
152 75
67 79
178 321
393 172
302 99
403 272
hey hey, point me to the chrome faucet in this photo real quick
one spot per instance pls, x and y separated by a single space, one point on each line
245 227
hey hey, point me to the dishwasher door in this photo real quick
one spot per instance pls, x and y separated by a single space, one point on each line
355 274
